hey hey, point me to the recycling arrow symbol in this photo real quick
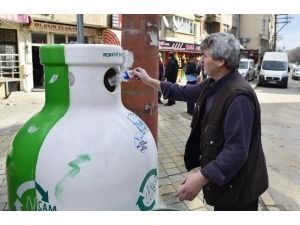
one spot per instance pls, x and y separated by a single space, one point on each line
27 185
140 201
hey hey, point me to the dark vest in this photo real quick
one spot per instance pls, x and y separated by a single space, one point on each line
206 141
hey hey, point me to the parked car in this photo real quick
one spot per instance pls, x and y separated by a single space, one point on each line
247 69
296 73
274 69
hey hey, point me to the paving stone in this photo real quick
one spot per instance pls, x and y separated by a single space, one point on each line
2 206
179 163
162 174
177 158
201 209
209 207
166 189
164 181
182 169
176 178
176 185
195 204
173 171
174 153
179 206
3 198
273 208
163 156
170 198
267 199
3 190
166 160
169 165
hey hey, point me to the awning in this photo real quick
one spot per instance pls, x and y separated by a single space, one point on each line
179 47
17 18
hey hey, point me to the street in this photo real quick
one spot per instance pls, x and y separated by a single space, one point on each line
280 137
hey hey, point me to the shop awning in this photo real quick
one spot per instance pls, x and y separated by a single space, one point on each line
17 18
179 47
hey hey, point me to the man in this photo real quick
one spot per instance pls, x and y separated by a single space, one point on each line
171 74
225 140
161 67
191 77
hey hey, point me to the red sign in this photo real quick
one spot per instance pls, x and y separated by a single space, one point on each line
18 18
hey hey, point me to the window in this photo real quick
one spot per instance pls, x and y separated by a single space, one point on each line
9 59
39 38
263 25
59 39
184 25
72 39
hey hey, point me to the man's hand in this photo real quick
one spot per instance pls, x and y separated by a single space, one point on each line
191 186
141 74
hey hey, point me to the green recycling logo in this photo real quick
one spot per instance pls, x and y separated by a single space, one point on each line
42 205
146 200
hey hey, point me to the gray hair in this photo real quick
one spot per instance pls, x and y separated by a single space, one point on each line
223 46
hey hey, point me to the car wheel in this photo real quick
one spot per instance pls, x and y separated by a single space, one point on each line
284 84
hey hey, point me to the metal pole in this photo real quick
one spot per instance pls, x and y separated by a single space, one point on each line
80 29
275 33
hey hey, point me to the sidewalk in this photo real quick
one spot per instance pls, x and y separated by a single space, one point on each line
174 129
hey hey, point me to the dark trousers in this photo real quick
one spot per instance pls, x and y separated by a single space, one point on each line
190 105
253 206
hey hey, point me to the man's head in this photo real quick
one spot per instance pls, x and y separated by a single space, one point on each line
221 52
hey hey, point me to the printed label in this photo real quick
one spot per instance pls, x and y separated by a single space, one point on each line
112 54
30 203
146 200
53 78
139 139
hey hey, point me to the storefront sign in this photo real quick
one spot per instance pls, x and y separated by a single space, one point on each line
178 46
59 28
18 18
116 21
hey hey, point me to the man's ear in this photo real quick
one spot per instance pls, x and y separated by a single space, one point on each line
221 63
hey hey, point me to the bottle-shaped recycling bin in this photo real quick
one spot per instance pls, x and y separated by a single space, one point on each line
84 150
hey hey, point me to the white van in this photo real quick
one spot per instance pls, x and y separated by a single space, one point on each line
247 68
274 69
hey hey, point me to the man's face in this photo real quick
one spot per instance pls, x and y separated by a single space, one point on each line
211 66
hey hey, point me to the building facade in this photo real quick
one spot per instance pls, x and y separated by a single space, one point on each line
257 34
22 35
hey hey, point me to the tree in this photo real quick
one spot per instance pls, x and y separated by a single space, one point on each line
294 55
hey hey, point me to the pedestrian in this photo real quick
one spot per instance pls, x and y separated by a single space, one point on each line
161 75
191 77
225 139
171 74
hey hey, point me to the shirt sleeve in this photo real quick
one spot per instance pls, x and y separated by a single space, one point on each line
180 93
238 125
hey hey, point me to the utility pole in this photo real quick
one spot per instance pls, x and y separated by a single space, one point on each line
283 19
140 36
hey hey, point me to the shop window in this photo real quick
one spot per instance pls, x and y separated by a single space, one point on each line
59 39
72 39
39 38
